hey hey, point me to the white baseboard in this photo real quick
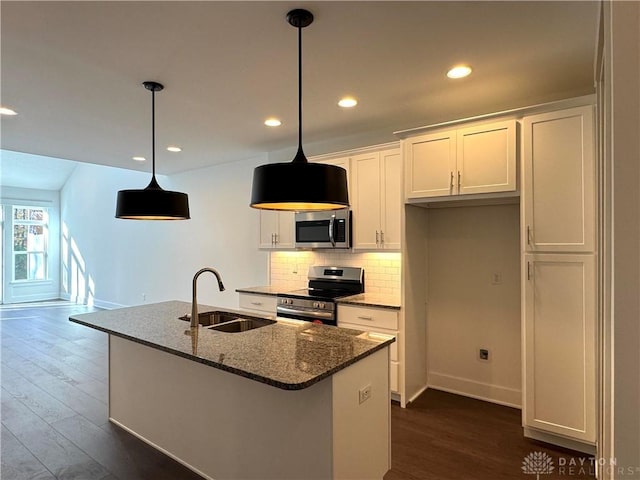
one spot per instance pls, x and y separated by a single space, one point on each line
509 397
107 305
560 441
96 302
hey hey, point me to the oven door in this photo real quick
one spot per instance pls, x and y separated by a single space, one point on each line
307 314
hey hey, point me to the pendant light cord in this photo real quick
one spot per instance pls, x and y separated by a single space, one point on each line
300 88
153 134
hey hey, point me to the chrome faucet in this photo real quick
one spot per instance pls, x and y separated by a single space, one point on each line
194 300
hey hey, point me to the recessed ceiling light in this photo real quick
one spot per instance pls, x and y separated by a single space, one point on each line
138 159
7 111
347 102
459 71
272 122
173 148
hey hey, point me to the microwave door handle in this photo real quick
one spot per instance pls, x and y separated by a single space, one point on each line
331 223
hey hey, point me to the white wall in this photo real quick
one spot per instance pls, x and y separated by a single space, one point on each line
465 310
15 292
114 262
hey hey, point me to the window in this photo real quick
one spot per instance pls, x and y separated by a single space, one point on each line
30 236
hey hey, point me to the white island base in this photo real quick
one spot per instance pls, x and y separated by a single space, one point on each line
225 426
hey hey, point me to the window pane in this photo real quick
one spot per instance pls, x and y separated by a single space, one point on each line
36 214
37 268
35 238
19 238
20 213
20 272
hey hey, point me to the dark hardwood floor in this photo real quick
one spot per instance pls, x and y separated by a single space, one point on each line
55 425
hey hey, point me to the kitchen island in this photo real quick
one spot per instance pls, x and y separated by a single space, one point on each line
289 400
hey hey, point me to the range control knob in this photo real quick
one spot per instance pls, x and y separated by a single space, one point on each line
315 305
321 305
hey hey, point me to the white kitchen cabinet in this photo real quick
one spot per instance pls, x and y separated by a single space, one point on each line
376 199
343 162
472 160
276 229
559 345
376 320
559 181
258 303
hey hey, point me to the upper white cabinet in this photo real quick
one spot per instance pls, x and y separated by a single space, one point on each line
276 229
477 159
343 162
376 199
559 181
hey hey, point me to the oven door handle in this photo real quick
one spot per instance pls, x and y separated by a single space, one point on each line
304 313
331 223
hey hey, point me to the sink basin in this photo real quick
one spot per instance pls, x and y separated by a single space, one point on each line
212 318
242 325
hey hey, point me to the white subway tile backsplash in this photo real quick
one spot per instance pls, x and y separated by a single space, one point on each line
382 270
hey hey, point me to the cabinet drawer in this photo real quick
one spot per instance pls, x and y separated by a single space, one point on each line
369 317
393 376
393 348
262 303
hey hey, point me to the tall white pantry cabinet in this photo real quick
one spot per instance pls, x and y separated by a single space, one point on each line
559 276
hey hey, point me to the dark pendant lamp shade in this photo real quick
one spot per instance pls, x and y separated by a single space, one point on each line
299 185
152 202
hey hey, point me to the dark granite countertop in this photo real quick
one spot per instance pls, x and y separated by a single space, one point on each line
372 300
265 290
289 354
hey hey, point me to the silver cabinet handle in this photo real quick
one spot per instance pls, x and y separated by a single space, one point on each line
451 182
256 303
365 318
277 240
272 239
528 270
377 237
528 235
459 180
381 237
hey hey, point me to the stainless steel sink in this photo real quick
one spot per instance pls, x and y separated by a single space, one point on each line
212 318
242 325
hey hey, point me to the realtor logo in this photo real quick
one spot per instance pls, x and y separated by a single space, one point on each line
537 463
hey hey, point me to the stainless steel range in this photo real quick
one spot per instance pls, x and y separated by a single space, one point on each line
317 302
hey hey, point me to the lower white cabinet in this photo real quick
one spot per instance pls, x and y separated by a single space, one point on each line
376 320
559 345
258 303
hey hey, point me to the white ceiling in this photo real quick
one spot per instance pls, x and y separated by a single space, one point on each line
73 71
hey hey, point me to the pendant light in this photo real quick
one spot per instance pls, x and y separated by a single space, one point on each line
299 185
152 203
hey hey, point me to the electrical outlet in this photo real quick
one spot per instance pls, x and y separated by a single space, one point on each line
365 393
483 354
496 278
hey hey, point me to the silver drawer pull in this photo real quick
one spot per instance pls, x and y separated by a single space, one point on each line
256 303
365 318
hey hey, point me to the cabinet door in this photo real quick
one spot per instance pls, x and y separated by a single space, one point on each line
284 234
391 199
366 200
486 158
268 228
559 344
559 181
430 165
340 162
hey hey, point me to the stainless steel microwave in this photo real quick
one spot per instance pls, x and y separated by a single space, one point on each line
326 229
